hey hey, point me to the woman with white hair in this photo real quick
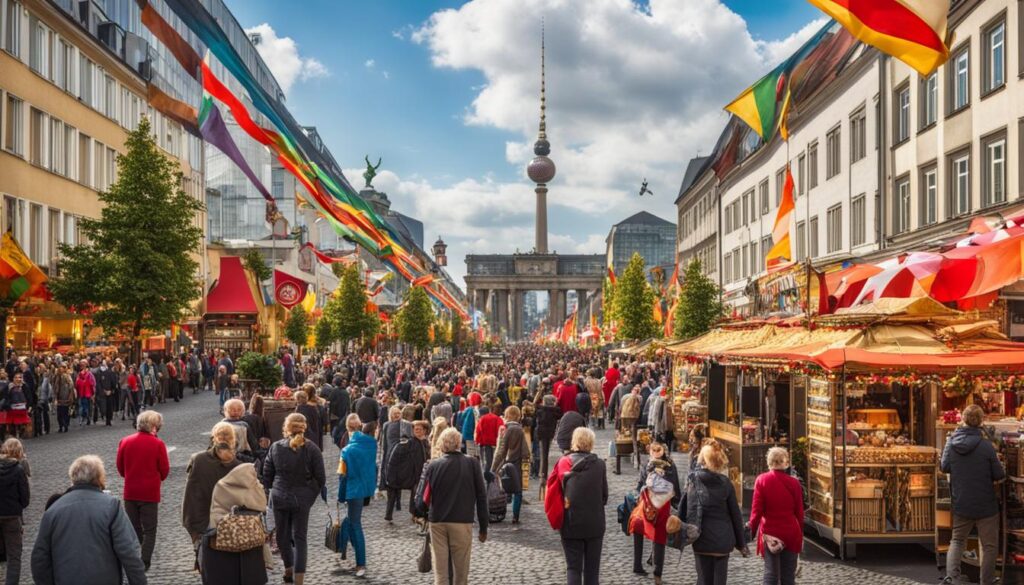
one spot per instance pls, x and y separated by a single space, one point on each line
204 470
777 518
110 553
142 462
14 498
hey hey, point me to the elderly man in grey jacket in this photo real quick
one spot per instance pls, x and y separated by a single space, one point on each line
85 536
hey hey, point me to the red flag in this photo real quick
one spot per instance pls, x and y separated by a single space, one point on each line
288 290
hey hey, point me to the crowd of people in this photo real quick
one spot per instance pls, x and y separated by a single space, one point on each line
454 441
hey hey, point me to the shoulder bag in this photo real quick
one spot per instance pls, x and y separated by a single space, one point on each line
333 529
239 531
423 562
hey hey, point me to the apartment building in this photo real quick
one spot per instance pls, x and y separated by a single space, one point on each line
73 81
883 160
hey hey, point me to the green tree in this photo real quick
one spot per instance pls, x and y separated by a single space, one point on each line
137 268
323 334
254 263
457 335
634 302
346 312
415 319
699 306
264 369
608 302
296 329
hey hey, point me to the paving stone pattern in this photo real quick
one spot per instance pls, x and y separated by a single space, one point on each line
528 554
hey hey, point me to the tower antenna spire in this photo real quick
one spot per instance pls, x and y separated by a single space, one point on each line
541 169
543 93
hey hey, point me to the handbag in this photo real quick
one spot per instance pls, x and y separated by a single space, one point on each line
772 544
239 531
423 562
333 528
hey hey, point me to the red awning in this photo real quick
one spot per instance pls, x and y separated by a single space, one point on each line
231 293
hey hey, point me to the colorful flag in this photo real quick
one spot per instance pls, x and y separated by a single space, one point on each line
288 290
18 274
611 274
214 131
782 251
913 31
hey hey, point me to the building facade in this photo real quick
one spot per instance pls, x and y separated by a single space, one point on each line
883 161
644 234
73 81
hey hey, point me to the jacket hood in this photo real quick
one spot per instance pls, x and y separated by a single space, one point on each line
965 440
241 477
7 467
712 479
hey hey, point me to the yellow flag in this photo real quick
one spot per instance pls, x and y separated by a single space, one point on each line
12 254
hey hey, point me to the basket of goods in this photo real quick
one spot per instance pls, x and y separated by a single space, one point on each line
644 437
864 488
623 445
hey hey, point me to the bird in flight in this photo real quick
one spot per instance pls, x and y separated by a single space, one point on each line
644 190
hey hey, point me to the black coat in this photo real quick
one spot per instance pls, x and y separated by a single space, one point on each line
227 568
971 461
569 422
722 524
586 490
295 478
546 421
368 409
14 489
456 489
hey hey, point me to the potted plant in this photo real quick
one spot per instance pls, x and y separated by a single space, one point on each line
260 368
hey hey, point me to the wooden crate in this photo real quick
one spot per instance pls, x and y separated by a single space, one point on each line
922 509
866 515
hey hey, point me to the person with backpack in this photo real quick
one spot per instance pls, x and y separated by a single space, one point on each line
391 436
405 465
546 424
577 493
777 519
513 450
659 491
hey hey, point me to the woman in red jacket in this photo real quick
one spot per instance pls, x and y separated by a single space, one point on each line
777 517
142 462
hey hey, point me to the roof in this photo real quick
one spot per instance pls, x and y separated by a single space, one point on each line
231 292
693 171
644 218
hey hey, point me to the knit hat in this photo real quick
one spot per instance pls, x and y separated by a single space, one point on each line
474 399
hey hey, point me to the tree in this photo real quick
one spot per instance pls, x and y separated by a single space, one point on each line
699 306
457 335
608 302
262 368
415 319
634 302
323 334
137 269
254 263
296 329
347 311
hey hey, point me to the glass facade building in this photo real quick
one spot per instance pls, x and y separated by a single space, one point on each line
646 234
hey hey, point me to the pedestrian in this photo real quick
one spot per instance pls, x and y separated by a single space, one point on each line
659 491
149 382
106 389
131 395
142 462
85 536
64 395
594 389
451 488
721 528
204 470
223 381
14 416
258 424
42 412
367 407
777 519
440 425
390 436
697 434
574 502
357 480
294 474
343 432
547 415
973 466
487 435
569 422
469 417
121 396
314 426
514 450
338 402
245 438
14 498
173 382
239 489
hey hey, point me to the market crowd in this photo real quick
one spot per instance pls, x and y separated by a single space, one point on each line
456 442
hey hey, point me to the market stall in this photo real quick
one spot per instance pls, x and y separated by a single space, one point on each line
866 390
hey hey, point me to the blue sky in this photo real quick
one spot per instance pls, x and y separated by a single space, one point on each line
445 92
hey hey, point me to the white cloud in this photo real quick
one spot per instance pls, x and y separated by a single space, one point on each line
282 56
386 74
369 63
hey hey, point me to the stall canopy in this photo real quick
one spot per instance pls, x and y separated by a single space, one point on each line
231 292
638 348
889 334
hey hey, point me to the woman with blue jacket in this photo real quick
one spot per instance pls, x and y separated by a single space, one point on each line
357 481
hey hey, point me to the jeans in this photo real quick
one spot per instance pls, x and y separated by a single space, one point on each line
11 531
223 396
638 555
487 454
143 516
712 570
517 504
352 530
988 535
582 560
292 526
780 569
83 410
63 417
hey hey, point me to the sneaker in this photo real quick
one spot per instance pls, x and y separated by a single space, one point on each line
360 571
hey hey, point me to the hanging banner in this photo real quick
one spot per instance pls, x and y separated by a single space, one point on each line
288 290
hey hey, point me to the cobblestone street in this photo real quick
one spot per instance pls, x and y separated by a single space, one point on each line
528 554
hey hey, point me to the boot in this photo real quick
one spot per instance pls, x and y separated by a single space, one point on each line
288 575
299 577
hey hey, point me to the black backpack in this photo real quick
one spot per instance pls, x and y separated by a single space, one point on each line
401 472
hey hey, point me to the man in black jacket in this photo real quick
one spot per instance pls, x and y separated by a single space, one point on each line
338 402
106 391
971 462
367 407
451 487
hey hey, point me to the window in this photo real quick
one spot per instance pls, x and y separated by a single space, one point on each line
780 184
901 117
801 241
53 238
745 260
64 65
960 184
727 268
58 160
746 208
727 219
12 28
736 265
814 237
812 165
858 135
766 246
13 217
35 234
736 214
99 179
763 195
39 47
929 195
960 80
832 162
109 97
753 206
70 229
37 137
70 162
111 171
85 74
995 57
901 211
858 221
834 228
14 126
929 100
993 186
84 160
801 171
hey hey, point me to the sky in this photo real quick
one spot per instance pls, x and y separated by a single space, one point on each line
447 93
